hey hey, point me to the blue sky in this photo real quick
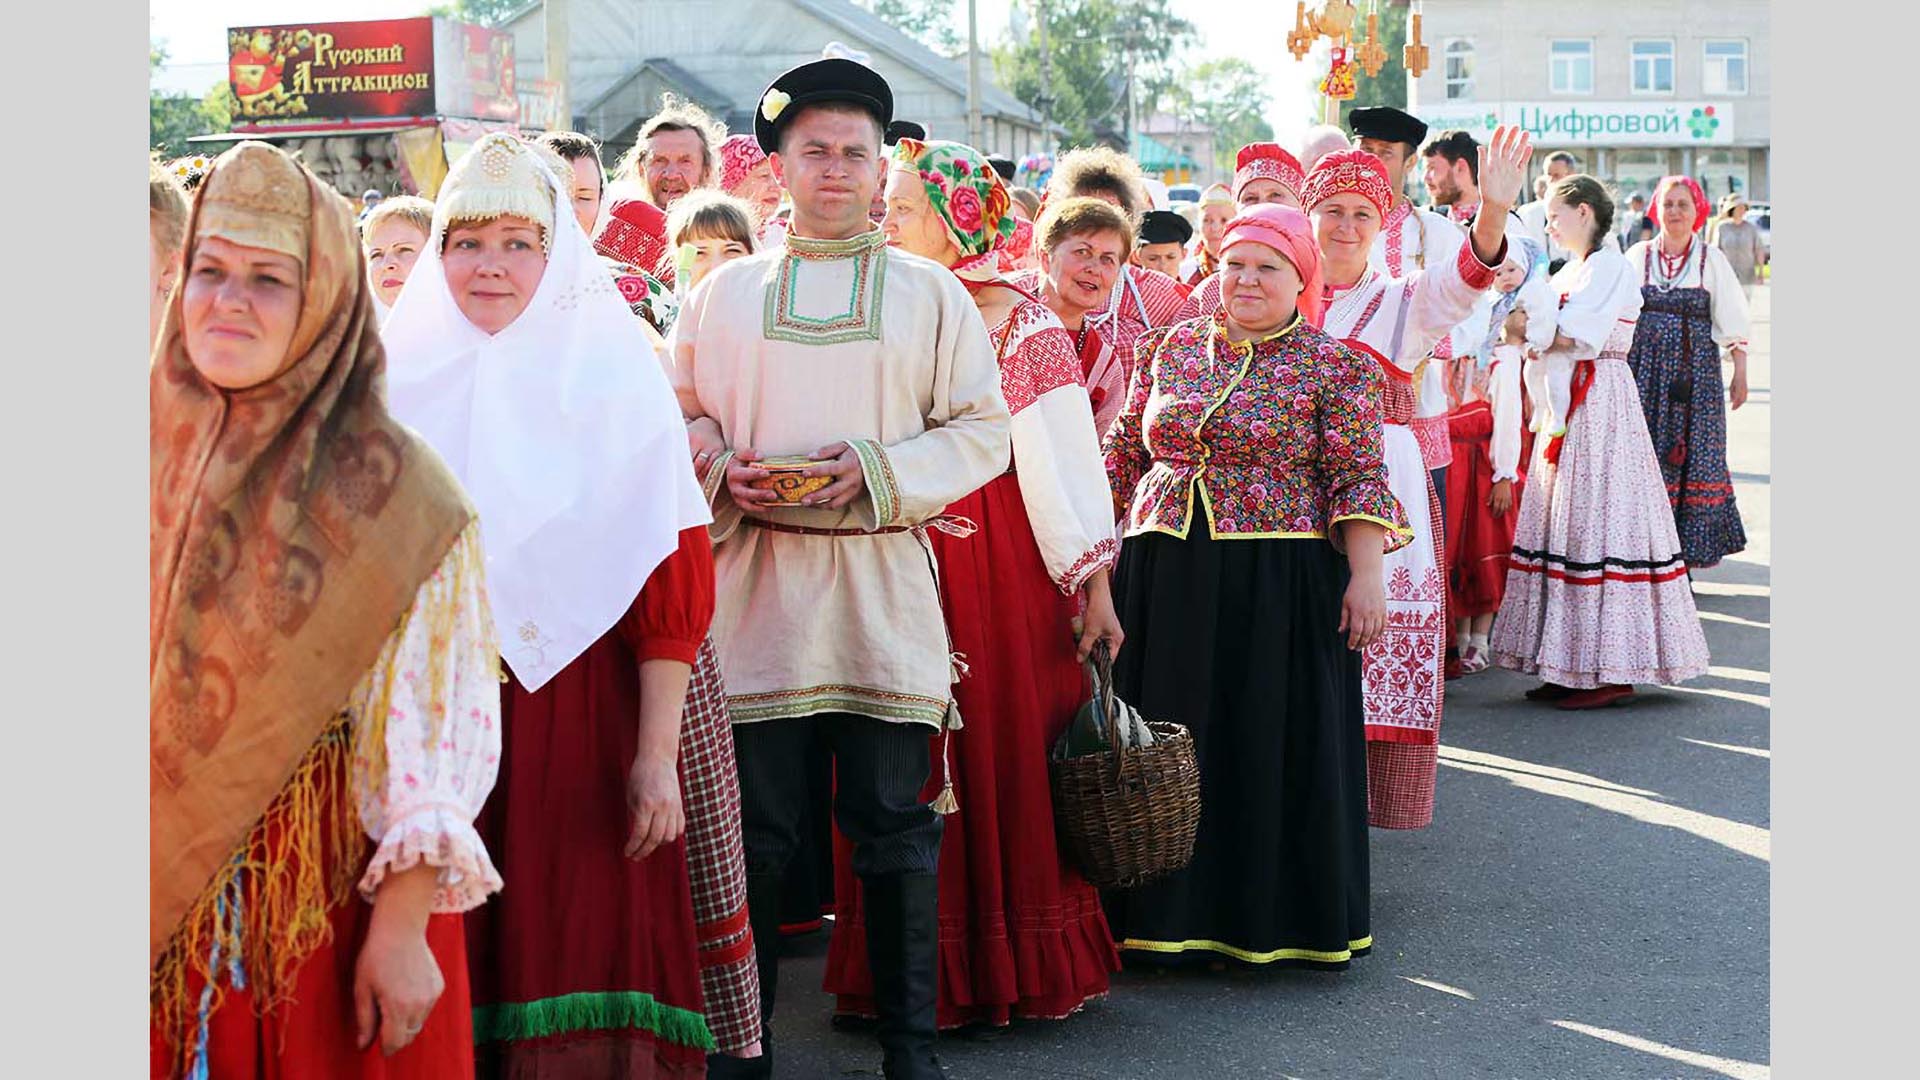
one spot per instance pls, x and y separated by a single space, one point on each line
194 32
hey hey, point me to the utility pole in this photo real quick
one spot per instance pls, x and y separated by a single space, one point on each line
1046 77
973 78
554 22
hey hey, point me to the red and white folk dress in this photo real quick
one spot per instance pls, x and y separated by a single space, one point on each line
1597 591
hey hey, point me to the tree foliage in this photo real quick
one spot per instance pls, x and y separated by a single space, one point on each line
930 22
1390 86
1228 95
1090 43
173 118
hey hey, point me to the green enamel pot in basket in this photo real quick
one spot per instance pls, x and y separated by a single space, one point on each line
1126 790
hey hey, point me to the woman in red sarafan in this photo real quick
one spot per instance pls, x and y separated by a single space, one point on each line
517 357
1021 932
1084 244
323 730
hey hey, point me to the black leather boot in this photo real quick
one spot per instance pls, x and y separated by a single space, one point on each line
903 923
763 914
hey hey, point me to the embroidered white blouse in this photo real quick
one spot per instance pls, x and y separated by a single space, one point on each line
1600 305
441 673
1056 455
1411 240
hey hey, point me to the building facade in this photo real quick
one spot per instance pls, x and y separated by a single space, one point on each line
1178 150
1635 89
623 56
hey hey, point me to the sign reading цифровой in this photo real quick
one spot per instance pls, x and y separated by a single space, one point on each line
1594 123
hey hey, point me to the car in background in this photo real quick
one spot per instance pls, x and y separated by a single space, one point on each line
1184 193
1761 214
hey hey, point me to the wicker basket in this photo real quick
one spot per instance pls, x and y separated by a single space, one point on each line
1126 814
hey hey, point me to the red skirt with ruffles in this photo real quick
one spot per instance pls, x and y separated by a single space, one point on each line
1022 934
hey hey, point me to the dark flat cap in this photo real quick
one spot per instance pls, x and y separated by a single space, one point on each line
1164 227
1389 123
905 129
834 79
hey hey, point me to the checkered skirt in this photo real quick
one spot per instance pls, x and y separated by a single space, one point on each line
716 861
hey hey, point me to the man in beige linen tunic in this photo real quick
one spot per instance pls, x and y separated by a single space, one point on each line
875 364
821 623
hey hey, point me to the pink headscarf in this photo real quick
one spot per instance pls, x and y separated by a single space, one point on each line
1289 232
1693 188
738 156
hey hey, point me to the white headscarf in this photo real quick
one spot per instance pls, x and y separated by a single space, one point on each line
561 426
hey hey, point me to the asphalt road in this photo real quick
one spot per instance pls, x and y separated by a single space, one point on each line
1591 901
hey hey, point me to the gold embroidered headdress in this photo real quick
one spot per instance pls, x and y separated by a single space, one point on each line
258 198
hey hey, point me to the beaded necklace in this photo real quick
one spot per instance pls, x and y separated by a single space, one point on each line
1672 267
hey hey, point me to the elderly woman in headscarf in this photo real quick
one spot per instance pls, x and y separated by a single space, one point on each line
747 174
1693 314
620 947
1249 466
1022 932
325 691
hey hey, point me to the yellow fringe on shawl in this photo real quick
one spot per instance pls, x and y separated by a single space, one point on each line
271 904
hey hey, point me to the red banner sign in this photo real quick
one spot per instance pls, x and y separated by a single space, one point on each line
473 72
333 70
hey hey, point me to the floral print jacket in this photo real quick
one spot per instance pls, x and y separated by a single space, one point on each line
1276 438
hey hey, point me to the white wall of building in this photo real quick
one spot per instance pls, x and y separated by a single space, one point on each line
1511 42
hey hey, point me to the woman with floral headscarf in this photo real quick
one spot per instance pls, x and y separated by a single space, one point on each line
1693 313
1021 932
325 680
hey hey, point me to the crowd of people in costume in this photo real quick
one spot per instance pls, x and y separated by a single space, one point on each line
563 586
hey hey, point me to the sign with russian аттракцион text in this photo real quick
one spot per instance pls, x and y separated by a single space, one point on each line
1593 123
380 68
332 70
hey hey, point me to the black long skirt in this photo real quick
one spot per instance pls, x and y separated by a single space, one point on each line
1236 639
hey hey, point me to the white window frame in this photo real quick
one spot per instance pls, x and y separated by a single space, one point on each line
1708 61
1633 67
1552 59
1446 78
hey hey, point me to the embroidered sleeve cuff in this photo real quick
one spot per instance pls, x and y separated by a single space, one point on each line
1103 555
1476 274
716 479
882 488
440 836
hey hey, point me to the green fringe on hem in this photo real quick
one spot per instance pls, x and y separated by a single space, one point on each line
608 1011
